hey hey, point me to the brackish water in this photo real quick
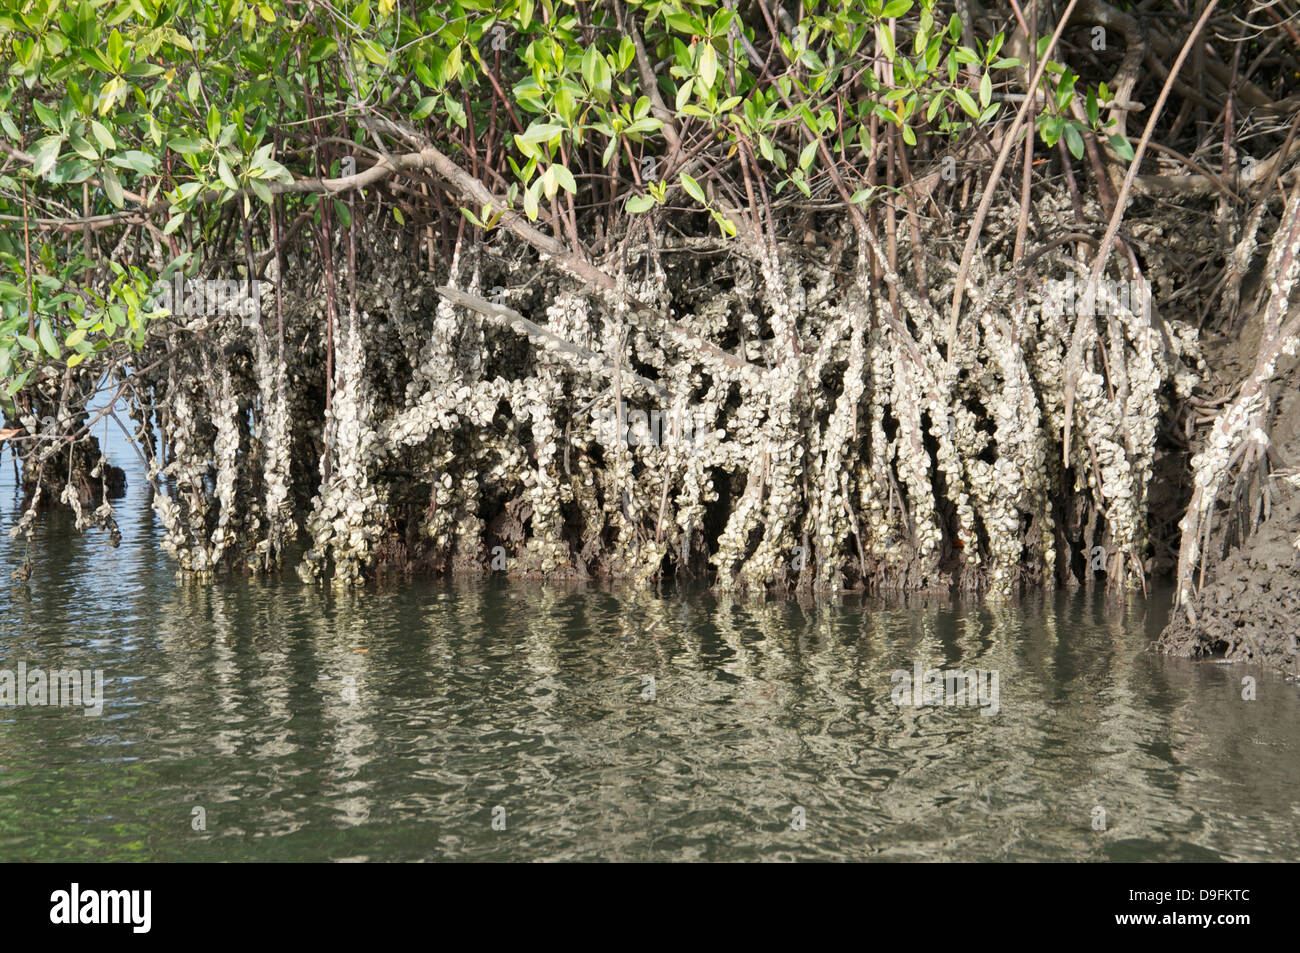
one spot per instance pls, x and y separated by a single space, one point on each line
389 724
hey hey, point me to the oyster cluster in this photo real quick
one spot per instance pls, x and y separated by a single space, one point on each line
841 432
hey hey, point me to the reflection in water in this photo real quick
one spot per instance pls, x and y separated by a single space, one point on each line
388 724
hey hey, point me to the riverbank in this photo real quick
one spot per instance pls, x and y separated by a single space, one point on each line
1248 608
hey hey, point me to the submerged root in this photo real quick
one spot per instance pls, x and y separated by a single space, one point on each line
826 441
760 417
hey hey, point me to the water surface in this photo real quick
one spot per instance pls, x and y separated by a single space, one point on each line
390 723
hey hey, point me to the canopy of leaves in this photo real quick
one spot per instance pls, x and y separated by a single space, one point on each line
132 131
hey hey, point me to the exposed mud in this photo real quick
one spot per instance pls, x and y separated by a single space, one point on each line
1248 609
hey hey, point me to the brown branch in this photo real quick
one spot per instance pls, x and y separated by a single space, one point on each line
478 195
1074 356
580 357
972 239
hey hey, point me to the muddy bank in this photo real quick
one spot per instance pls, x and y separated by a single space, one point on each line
1248 609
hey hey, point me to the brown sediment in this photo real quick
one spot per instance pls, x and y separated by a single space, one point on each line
1248 607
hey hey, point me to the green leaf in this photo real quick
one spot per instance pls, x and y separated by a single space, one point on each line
321 49
589 66
46 334
113 188
102 135
141 162
1074 141
82 147
708 64
424 107
693 189
108 95
639 203
45 154
375 54
455 110
1051 130
565 178
1122 146
967 102
541 132
48 117
227 177
807 155
886 42
17 383
684 95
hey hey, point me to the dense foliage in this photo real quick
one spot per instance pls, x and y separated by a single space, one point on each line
162 112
